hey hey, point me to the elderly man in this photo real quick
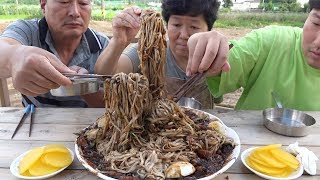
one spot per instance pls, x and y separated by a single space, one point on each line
278 59
35 52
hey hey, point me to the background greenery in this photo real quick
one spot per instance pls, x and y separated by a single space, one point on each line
285 13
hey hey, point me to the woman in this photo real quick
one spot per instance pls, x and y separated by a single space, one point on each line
183 18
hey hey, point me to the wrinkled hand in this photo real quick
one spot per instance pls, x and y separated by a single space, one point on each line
207 52
126 25
35 71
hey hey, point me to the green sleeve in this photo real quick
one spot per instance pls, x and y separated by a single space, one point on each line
243 59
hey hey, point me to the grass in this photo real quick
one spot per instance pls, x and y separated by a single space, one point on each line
17 16
256 20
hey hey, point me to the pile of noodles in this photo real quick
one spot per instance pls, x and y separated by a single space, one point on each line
143 132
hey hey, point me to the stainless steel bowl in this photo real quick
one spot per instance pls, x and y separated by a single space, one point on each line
288 122
80 86
190 103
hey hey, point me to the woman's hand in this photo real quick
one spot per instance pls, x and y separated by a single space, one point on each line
126 25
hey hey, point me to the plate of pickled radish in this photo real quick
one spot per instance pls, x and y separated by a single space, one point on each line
272 162
42 162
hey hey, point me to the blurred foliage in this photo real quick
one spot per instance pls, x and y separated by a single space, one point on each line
28 9
13 9
227 3
284 6
256 20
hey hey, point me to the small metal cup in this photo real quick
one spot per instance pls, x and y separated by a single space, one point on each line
80 86
288 122
190 103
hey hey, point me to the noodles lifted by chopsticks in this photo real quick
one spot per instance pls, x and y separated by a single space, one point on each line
152 51
142 132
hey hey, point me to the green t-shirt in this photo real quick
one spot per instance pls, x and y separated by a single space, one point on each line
266 60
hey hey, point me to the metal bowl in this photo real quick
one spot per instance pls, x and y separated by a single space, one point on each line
190 103
288 122
80 86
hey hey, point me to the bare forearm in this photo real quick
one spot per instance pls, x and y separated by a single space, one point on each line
107 62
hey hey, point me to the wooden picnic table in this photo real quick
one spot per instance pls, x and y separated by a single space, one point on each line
57 125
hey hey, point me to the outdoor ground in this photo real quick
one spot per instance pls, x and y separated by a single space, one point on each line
105 27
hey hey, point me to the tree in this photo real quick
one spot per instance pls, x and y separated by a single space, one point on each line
102 8
17 2
227 3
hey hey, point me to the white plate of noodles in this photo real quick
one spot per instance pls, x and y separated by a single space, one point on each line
145 135
230 133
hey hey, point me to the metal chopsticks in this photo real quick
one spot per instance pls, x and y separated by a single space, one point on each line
28 109
87 75
187 86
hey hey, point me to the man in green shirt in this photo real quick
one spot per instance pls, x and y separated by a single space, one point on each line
285 60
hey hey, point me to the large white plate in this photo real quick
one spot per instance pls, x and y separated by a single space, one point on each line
14 168
294 175
229 133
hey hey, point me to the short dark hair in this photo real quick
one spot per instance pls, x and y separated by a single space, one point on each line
207 8
314 4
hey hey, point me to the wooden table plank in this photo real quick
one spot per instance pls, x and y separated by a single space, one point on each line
47 132
87 115
53 115
65 175
257 135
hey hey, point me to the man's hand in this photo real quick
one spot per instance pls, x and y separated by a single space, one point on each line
35 71
126 25
79 70
208 52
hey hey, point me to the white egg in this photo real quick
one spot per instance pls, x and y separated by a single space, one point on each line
179 169
216 125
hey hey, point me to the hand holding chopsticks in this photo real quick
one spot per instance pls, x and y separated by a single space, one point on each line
29 109
190 83
187 86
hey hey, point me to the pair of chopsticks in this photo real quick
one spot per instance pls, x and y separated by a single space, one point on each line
189 84
103 77
29 109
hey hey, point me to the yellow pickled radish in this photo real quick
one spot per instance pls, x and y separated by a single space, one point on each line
255 158
57 159
30 159
268 147
286 158
55 148
268 158
263 169
40 169
26 173
273 161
